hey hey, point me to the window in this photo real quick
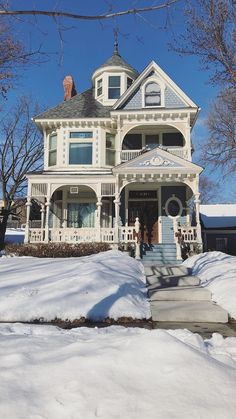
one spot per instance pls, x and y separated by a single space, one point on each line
173 207
132 142
52 156
80 153
221 244
81 134
152 94
129 82
99 87
172 139
114 87
110 149
152 141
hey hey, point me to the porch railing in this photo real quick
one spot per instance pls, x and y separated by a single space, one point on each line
184 153
77 235
188 233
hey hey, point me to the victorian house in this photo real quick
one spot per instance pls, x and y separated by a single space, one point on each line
118 160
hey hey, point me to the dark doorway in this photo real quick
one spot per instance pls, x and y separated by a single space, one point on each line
147 212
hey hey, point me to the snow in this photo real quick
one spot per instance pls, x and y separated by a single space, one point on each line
15 235
115 373
108 284
218 215
217 271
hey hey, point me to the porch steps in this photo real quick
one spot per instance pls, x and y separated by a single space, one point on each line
164 253
177 296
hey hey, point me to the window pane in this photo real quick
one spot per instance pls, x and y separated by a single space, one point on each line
52 161
110 140
132 142
53 141
81 134
129 82
80 153
114 81
152 140
113 93
99 87
152 100
173 139
152 88
110 157
152 94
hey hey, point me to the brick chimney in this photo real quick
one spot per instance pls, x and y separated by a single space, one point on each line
69 88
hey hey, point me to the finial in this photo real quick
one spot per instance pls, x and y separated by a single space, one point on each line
116 51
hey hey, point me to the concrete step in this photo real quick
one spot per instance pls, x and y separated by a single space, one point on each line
187 293
172 281
150 263
162 270
188 311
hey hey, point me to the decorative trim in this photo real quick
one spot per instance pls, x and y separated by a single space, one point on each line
174 198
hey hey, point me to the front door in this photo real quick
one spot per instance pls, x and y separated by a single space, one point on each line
147 212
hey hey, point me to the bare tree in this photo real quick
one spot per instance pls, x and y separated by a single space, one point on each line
208 190
6 11
211 35
220 150
21 150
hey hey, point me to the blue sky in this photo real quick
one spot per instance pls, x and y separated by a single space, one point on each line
86 45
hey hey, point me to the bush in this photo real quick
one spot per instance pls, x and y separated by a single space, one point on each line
56 250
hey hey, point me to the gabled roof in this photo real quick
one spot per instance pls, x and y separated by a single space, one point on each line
218 215
154 67
83 105
157 161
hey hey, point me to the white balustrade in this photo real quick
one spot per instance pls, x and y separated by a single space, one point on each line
126 234
73 235
127 155
107 235
184 153
36 235
188 234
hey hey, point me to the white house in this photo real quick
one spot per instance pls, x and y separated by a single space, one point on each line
119 151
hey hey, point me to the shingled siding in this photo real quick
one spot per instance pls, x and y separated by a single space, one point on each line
167 222
171 100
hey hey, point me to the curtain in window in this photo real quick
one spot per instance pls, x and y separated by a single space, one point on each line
81 215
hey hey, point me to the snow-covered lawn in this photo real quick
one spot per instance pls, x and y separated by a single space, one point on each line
217 271
48 373
108 284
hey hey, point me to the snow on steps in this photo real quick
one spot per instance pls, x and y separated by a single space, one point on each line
176 296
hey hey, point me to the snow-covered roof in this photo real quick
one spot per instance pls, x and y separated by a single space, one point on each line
218 215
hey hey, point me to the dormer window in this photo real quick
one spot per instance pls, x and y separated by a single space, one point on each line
113 87
152 94
99 87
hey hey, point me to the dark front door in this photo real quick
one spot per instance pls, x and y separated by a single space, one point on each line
147 212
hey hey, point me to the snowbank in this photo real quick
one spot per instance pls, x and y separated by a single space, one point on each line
108 284
115 373
217 271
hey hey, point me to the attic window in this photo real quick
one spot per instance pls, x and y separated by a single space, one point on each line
152 94
129 82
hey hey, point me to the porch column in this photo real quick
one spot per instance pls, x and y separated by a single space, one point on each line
197 209
28 206
98 218
117 216
42 210
46 237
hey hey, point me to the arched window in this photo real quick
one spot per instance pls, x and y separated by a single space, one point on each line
152 94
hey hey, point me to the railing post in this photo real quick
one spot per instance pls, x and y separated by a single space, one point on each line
177 236
137 243
98 218
197 210
28 206
46 237
117 217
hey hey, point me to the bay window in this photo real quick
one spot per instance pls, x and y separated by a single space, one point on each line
81 152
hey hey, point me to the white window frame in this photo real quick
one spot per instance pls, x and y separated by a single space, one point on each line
162 88
174 198
52 134
99 79
80 140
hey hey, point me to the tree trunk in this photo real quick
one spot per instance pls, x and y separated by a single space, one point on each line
4 214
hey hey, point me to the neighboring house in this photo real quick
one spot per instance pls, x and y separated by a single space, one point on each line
118 151
219 227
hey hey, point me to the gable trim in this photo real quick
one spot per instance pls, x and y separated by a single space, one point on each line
166 78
